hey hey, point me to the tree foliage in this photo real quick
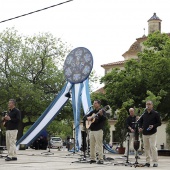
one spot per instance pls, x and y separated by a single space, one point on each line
30 72
151 72
106 132
168 133
120 126
155 99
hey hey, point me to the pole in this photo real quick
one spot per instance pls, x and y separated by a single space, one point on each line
127 138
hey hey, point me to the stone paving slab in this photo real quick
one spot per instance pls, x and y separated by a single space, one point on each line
31 159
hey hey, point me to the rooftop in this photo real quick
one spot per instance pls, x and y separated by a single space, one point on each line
154 17
114 63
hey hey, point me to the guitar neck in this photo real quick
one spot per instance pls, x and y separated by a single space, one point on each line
89 122
96 114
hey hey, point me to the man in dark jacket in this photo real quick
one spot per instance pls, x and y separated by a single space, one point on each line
130 124
12 122
148 123
96 131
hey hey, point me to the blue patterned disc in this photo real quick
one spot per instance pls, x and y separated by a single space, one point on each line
78 65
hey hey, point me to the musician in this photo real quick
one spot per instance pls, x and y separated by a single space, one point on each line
96 132
12 122
148 123
130 124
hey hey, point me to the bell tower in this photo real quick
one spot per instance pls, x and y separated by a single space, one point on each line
154 24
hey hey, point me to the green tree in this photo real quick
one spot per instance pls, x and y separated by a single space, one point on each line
150 72
168 133
30 72
122 85
155 67
106 132
120 126
155 99
99 96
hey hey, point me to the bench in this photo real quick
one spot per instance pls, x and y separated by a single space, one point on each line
163 152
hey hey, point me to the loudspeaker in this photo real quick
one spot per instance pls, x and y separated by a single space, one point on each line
136 145
22 147
68 95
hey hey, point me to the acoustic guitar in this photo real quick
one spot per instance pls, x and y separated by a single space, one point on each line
3 120
94 115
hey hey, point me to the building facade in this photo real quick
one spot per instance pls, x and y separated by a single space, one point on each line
154 24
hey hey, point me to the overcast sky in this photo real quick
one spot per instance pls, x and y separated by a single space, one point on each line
106 27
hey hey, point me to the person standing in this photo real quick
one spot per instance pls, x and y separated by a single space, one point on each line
12 122
130 124
96 132
148 123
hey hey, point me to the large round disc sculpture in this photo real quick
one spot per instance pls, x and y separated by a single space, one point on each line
78 65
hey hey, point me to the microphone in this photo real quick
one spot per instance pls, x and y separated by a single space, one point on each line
145 108
90 107
142 114
148 129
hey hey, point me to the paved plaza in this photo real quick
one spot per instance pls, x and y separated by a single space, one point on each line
54 159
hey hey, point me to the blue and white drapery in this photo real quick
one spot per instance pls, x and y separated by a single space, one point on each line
46 118
76 104
80 97
85 97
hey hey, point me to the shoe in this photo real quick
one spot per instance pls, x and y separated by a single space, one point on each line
100 162
124 156
14 158
147 165
92 161
8 159
155 165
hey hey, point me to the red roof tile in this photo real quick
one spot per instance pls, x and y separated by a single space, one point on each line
101 90
114 63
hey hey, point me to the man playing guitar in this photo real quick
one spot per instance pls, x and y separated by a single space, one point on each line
97 117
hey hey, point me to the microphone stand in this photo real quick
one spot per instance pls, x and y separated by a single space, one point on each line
136 145
127 158
84 144
83 159
127 163
88 143
84 124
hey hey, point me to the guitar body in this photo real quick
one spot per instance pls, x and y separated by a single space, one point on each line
4 120
3 123
89 122
92 117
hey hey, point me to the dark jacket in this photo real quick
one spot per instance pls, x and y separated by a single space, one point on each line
152 118
99 120
15 116
130 121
